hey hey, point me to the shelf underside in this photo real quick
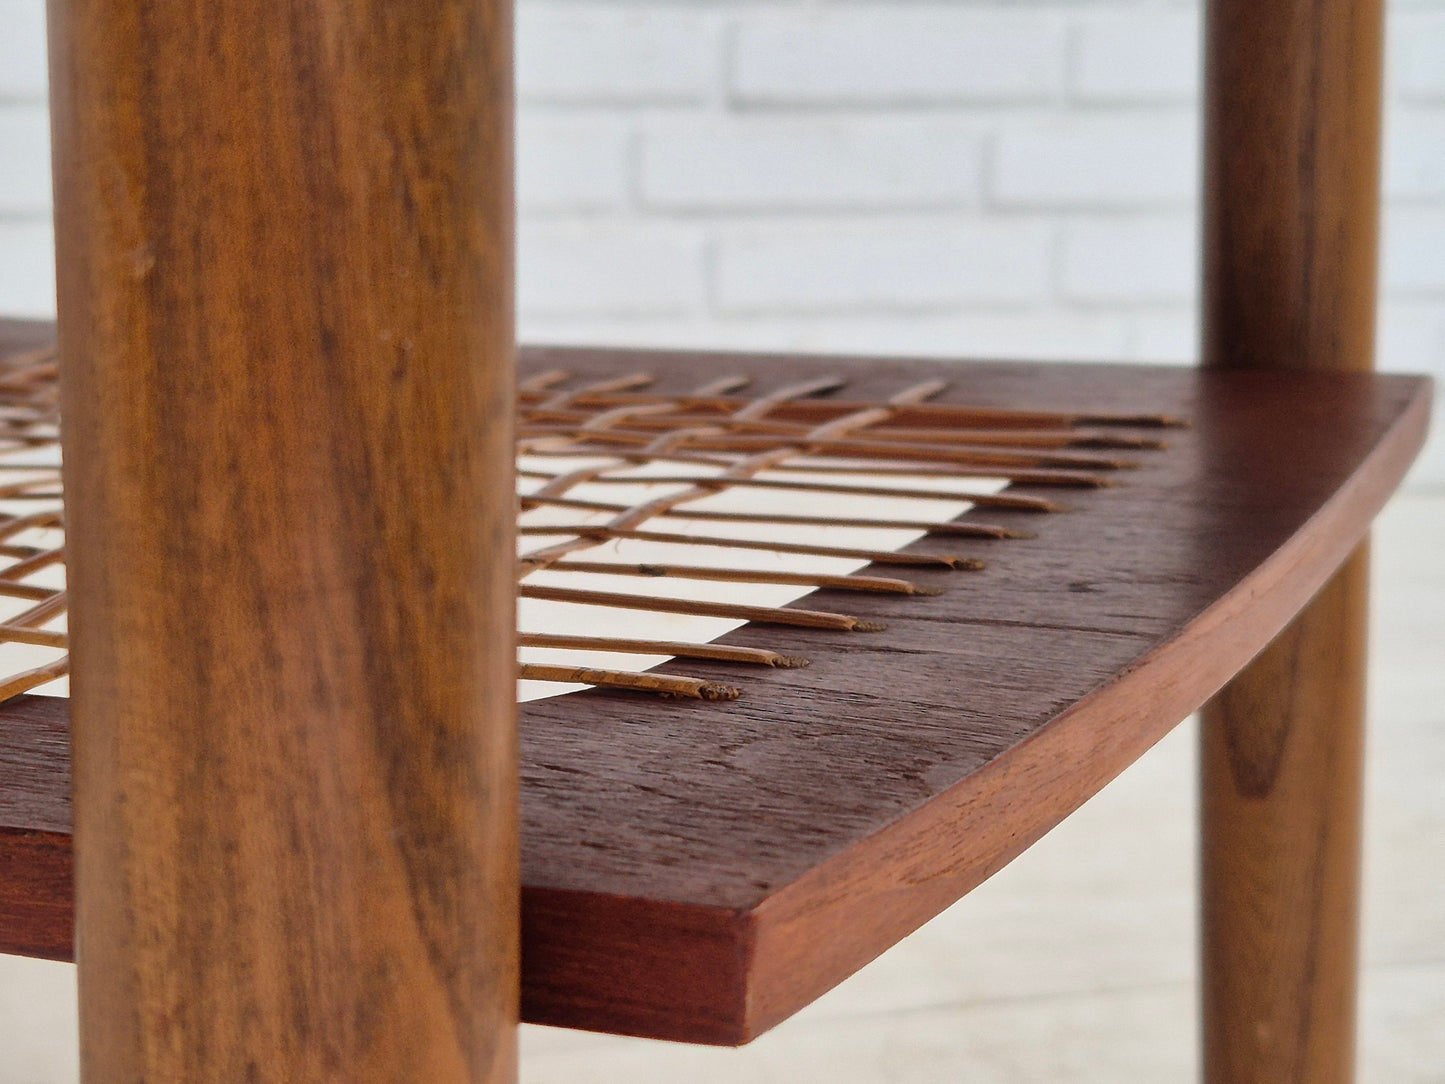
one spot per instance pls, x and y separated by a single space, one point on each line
700 870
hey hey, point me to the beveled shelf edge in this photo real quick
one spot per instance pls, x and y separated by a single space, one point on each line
839 916
37 908
804 939
629 966
643 967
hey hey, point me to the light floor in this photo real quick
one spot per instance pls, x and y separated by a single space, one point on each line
1075 964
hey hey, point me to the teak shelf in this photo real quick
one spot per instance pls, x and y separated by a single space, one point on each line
700 871
285 280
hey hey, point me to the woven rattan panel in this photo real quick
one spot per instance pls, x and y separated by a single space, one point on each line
699 869
705 486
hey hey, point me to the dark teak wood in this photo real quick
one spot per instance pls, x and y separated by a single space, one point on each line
284 239
284 248
701 870
1292 166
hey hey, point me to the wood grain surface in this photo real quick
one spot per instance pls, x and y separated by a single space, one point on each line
284 241
1282 765
699 871
1291 225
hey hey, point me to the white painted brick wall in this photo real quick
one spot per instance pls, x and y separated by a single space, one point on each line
1132 57
903 266
1415 154
945 177
22 50
949 54
1134 159
24 159
762 164
1415 246
1418 49
574 165
599 268
27 268
1129 259
616 54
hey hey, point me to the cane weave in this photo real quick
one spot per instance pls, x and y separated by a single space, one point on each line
633 503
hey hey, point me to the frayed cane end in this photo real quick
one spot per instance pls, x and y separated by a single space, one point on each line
968 564
712 691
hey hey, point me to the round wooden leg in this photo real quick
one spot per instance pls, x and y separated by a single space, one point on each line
1281 763
285 313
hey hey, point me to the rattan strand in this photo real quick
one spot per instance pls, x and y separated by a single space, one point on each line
801 429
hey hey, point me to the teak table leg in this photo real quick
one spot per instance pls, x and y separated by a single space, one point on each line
1291 226
285 276
1281 849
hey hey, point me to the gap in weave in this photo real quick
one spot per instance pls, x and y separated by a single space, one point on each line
544 616
19 465
565 618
